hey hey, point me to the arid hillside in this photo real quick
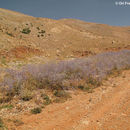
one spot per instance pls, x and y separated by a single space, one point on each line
29 39
63 74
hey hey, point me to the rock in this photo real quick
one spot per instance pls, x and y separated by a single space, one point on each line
67 108
86 122
58 51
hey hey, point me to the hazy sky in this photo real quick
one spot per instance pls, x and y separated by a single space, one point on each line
100 11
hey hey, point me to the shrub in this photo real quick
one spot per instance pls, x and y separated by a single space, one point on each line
1 123
18 122
86 88
46 98
26 94
47 102
2 126
38 28
9 106
92 69
114 72
93 82
61 94
15 29
30 83
36 110
26 31
81 87
42 31
10 34
3 60
5 99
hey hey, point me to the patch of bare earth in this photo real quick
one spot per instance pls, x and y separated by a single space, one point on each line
20 52
108 108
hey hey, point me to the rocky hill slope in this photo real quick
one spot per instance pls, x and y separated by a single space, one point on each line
29 39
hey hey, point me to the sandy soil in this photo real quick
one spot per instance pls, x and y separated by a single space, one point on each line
107 108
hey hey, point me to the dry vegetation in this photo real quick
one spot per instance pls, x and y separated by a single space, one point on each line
27 39
34 86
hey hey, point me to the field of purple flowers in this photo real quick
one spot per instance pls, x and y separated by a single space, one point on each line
53 76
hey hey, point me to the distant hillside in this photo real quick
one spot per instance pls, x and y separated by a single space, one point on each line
25 37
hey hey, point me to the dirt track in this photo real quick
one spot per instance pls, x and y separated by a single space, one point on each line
108 108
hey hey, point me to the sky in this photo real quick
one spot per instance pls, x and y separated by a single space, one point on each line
112 12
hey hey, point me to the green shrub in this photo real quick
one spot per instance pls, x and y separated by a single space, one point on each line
38 28
86 87
46 98
47 102
1 123
61 94
26 31
9 106
3 60
81 87
93 82
2 126
10 34
42 31
36 110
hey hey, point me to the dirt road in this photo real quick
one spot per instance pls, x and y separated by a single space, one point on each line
107 108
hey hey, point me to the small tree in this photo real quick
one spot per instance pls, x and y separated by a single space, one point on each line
26 31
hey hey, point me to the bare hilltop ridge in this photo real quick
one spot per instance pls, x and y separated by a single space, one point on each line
25 37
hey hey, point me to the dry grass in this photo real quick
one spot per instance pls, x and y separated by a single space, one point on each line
78 38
